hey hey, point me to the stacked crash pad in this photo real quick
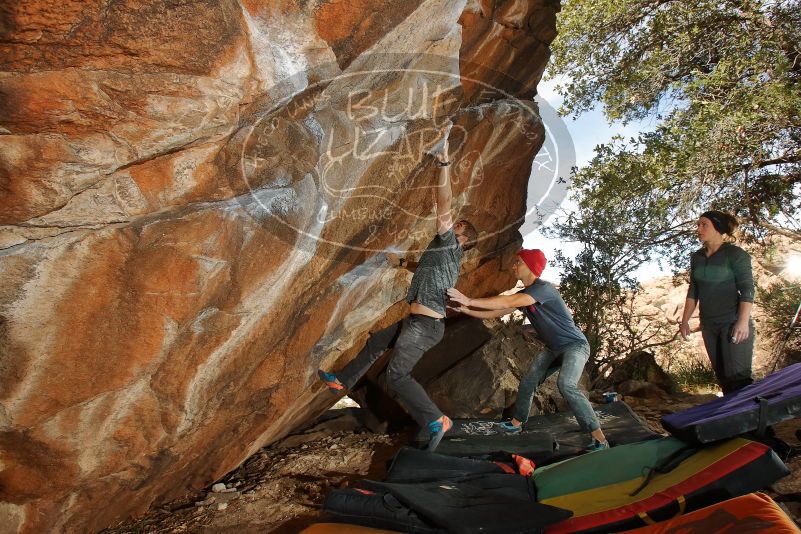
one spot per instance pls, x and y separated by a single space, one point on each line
702 477
632 485
755 513
771 400
620 488
491 503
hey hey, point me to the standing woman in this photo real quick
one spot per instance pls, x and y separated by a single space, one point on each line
722 282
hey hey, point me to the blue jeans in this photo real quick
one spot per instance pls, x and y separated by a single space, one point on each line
574 357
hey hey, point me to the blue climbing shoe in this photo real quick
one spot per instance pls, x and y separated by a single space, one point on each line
330 380
437 429
597 445
509 428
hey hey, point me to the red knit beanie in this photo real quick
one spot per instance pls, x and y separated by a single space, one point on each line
534 259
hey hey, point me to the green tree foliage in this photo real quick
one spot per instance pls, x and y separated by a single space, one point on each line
620 220
722 81
780 303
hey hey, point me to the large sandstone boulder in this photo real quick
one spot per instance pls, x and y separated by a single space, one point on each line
484 383
195 200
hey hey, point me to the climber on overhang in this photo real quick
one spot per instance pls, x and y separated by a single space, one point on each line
434 273
565 345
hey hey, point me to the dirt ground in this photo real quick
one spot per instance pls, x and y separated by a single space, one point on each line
281 488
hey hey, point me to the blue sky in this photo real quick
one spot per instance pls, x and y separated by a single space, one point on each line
587 131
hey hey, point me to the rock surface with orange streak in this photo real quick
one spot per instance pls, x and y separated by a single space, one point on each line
195 202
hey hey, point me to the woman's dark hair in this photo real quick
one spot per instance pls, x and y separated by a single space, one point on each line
722 221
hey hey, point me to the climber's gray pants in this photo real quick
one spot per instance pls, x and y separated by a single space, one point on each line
415 335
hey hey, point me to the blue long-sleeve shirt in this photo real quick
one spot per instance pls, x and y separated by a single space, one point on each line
721 282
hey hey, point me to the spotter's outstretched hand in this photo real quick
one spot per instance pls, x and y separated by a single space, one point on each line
458 297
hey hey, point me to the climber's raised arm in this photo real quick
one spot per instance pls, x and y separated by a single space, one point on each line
444 194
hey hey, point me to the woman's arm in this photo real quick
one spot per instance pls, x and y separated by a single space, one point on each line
742 328
743 276
689 303
744 280
684 326
692 291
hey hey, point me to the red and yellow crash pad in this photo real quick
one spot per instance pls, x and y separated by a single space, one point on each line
606 490
755 513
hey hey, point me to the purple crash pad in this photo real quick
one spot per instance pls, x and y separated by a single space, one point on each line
775 398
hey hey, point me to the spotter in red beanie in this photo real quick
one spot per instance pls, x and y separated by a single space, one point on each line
534 259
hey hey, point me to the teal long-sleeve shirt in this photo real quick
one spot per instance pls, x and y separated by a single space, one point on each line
721 282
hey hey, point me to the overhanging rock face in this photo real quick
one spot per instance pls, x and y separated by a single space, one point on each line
195 200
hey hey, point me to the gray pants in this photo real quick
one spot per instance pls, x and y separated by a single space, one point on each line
730 361
415 335
574 357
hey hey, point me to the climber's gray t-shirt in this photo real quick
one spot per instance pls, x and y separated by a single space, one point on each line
550 317
437 270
